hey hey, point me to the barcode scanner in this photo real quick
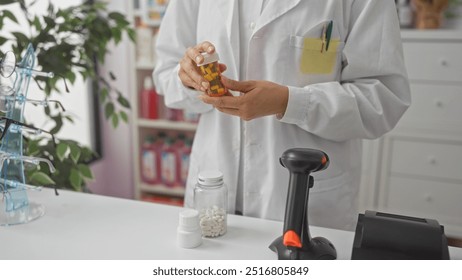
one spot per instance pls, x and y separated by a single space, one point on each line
296 242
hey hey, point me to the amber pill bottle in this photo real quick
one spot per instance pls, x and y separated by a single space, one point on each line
211 72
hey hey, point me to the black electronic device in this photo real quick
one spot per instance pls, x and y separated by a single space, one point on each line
383 236
296 242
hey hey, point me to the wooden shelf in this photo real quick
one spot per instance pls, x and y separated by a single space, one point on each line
166 124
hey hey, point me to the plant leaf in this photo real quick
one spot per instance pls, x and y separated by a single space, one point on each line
21 37
49 22
40 178
123 101
131 34
71 77
36 23
115 120
9 14
33 148
75 179
61 150
117 34
75 152
109 110
123 116
120 18
6 2
103 94
85 171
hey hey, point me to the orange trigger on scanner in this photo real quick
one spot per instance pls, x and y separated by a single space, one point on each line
291 238
324 160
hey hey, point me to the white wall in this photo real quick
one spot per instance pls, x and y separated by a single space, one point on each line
114 172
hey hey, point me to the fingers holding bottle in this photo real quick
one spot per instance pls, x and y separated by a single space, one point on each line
189 73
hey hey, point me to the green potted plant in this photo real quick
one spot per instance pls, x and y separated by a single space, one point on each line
69 42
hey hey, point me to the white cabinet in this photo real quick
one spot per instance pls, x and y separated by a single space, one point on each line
418 166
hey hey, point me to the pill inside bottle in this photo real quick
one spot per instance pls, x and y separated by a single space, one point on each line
211 72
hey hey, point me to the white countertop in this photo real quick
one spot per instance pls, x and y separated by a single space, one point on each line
85 226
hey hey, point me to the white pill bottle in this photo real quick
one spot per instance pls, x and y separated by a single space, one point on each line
211 200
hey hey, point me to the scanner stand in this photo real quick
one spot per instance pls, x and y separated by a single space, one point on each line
319 248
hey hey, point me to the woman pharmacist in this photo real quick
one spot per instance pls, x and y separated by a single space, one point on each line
302 73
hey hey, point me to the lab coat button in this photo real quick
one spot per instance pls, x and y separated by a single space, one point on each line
252 25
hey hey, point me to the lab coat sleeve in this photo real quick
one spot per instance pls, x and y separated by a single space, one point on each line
373 92
177 32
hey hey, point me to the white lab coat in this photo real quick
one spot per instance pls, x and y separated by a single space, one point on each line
363 97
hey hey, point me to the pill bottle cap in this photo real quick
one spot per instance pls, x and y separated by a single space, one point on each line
209 58
189 220
210 178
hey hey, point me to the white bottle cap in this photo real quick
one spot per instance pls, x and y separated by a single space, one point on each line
189 220
209 58
210 177
189 234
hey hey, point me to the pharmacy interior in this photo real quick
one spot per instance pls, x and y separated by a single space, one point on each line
168 152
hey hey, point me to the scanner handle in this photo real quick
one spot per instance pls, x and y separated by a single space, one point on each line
300 162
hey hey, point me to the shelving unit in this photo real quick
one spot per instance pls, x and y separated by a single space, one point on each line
142 126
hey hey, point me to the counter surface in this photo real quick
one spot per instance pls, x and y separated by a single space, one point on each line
85 226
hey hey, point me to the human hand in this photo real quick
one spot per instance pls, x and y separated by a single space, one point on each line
189 73
260 98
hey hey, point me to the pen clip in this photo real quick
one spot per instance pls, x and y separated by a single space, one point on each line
329 34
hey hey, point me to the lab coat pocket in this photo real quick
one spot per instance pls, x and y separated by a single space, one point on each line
310 62
315 59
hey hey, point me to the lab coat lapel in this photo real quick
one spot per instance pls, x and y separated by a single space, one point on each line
229 10
273 10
